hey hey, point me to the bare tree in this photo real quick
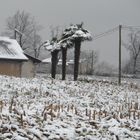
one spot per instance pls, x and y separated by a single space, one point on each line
23 22
134 49
90 58
128 67
104 69
56 31
36 44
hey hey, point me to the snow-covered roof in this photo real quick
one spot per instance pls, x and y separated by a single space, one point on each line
60 62
71 62
47 60
35 60
10 49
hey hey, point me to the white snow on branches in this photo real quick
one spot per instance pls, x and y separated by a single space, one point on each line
69 35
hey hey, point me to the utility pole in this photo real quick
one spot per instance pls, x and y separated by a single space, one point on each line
119 78
20 36
92 62
20 40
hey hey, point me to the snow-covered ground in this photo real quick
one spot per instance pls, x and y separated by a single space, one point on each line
46 109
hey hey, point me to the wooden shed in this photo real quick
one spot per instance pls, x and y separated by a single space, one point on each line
11 57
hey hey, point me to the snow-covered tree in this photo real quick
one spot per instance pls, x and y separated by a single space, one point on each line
65 46
72 36
54 47
77 34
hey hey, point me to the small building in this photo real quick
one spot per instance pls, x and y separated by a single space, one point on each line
44 66
84 66
47 61
11 57
29 67
13 61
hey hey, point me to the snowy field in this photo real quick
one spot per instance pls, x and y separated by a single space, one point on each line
46 109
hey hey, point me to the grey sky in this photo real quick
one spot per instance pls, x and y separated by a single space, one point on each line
97 15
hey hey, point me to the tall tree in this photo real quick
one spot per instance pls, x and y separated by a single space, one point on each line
54 47
28 28
72 36
77 34
67 44
64 60
54 61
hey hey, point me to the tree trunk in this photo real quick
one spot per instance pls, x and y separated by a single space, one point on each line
76 58
54 61
64 57
134 67
20 41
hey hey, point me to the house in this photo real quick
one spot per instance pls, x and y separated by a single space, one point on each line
45 66
29 67
47 61
11 57
84 66
13 61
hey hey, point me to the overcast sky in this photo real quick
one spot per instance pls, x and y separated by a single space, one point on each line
97 15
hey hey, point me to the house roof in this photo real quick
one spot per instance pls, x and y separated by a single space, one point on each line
35 60
10 49
47 60
71 62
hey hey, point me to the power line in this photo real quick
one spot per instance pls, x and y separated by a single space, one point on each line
130 27
105 33
110 31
